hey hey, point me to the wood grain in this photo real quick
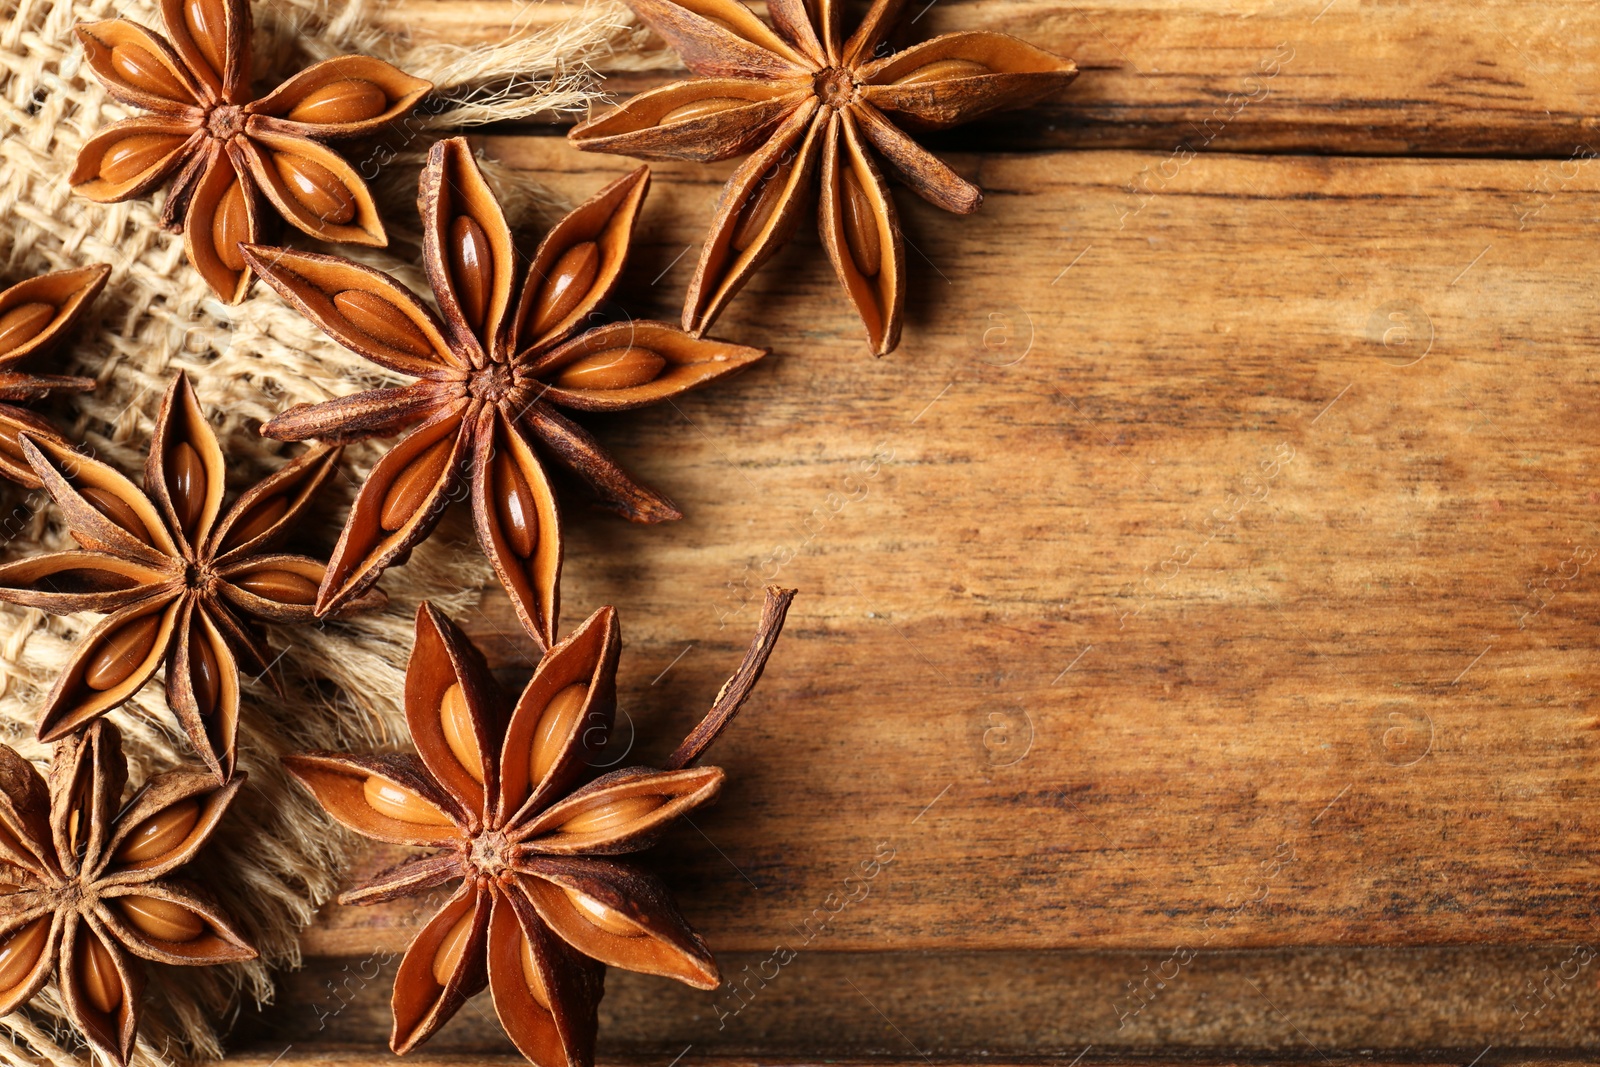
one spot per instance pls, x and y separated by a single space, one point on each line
1504 77
1223 579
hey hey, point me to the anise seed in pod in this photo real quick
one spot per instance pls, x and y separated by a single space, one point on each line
570 281
471 268
345 100
106 909
561 905
614 368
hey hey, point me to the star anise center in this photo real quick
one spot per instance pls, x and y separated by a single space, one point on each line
490 852
492 384
200 578
835 86
225 121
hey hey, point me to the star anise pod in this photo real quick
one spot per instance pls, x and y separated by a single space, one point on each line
490 377
228 148
34 317
797 96
500 791
83 882
179 584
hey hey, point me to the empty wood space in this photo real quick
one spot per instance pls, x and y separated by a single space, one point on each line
1202 597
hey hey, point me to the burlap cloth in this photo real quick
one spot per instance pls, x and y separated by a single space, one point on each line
276 859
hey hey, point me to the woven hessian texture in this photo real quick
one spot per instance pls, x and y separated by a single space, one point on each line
275 860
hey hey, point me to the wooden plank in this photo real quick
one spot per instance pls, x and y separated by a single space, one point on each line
1451 1002
1504 77
1212 571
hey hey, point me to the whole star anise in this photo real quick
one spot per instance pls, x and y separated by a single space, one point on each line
83 882
34 317
180 585
797 95
490 378
228 148
496 790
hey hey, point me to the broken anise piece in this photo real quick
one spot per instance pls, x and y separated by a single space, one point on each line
490 378
797 96
83 882
180 584
507 797
227 148
34 316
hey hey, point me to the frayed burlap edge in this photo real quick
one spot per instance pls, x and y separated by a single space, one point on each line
276 860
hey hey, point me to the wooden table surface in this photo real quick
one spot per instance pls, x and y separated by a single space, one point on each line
1198 607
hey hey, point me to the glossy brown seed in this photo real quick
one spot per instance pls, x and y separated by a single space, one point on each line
613 368
860 223
207 26
229 226
140 69
121 652
612 814
607 919
116 509
316 187
412 485
569 282
97 974
259 519
458 733
513 503
22 324
284 587
530 976
389 799
132 156
447 957
186 481
699 109
471 268
382 321
162 919
205 673
345 100
78 806
161 834
555 726
21 951
943 69
758 208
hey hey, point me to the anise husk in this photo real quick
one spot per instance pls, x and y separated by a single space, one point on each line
529 886
217 136
191 571
60 872
66 294
809 101
493 369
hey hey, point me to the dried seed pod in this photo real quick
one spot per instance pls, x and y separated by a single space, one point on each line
205 674
206 21
389 799
530 976
262 516
456 720
382 321
116 509
608 919
139 68
860 224
160 835
447 957
23 323
98 979
943 70
519 519
612 814
762 205
569 282
551 736
162 919
412 486
120 654
283 586
132 156
471 268
317 189
612 368
186 482
345 100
